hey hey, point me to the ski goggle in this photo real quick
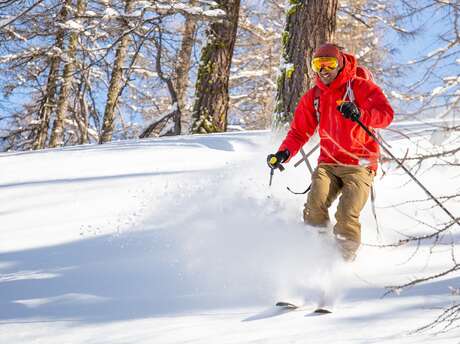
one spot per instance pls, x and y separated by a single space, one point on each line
326 63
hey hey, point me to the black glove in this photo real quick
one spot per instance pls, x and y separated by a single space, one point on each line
349 110
275 160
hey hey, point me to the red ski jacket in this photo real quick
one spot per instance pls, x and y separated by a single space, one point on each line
342 141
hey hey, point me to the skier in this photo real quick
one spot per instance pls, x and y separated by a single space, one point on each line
348 157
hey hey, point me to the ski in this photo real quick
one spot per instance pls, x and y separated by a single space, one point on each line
323 307
286 305
290 306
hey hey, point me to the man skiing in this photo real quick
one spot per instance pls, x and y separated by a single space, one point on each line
348 157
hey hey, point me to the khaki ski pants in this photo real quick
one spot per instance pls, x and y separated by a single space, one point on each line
354 184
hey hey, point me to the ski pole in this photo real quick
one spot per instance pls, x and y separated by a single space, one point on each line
272 171
372 135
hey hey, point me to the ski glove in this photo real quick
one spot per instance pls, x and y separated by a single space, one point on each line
275 160
349 110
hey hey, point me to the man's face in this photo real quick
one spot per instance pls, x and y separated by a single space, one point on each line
327 77
327 68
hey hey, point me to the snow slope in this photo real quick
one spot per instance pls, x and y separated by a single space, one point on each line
180 240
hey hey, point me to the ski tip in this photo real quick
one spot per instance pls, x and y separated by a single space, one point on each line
287 305
322 311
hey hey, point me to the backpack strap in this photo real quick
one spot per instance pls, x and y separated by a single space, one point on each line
316 102
349 92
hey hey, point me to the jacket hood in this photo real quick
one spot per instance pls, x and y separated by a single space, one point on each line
348 72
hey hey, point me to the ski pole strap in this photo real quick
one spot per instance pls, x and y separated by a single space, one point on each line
299 193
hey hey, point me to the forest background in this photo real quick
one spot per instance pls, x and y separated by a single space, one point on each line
80 71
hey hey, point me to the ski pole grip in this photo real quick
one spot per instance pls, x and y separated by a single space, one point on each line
273 160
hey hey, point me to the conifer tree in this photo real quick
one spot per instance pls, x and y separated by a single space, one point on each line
211 104
309 23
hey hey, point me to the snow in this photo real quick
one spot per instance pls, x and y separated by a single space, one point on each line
439 136
180 240
398 95
438 90
215 13
90 13
248 74
437 51
145 72
193 10
15 34
110 13
363 52
72 25
5 20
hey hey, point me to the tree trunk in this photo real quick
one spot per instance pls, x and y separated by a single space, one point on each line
116 84
48 102
57 134
309 23
184 61
82 119
211 90
175 113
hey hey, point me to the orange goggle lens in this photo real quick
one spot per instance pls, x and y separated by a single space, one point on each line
328 63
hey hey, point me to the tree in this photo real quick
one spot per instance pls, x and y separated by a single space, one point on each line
40 133
175 113
115 83
48 76
173 62
360 34
258 46
57 133
254 65
184 61
211 90
425 88
309 23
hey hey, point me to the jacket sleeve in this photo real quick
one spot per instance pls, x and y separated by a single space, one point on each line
376 111
302 127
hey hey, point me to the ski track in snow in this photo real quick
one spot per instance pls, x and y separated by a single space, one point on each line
180 240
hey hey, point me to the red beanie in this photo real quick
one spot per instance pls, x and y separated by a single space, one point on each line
329 50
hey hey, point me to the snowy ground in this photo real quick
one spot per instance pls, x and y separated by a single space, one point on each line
180 240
